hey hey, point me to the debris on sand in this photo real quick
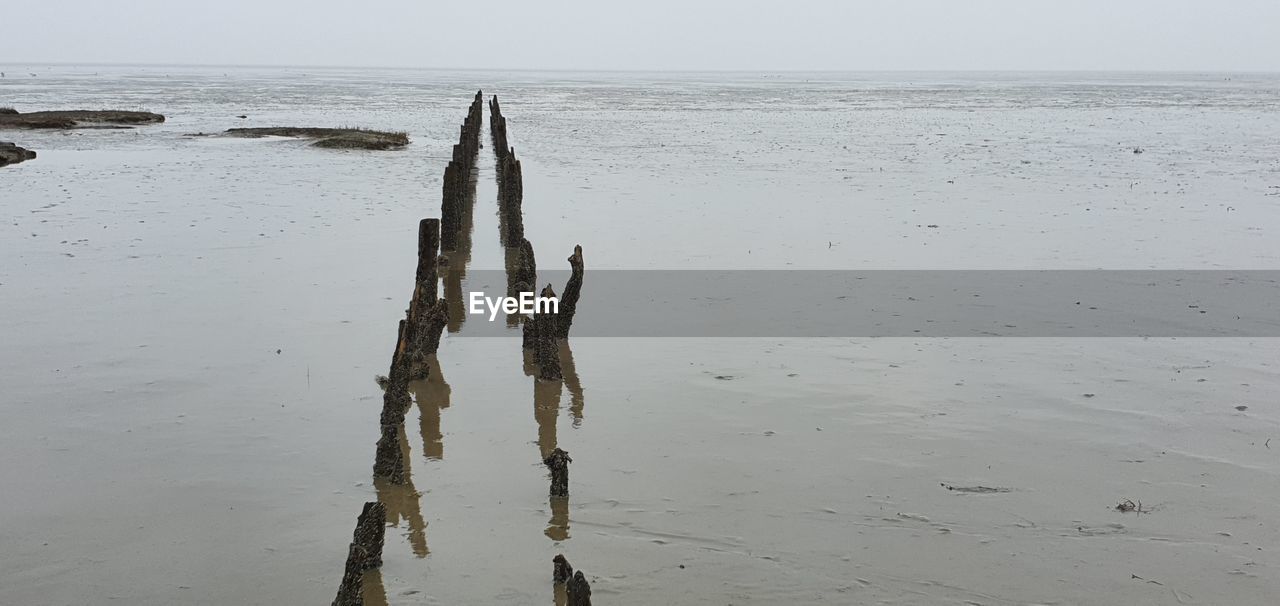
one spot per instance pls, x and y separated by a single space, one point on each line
975 489
10 153
1127 506
330 138
76 119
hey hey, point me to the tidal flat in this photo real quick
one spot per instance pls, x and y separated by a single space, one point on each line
192 328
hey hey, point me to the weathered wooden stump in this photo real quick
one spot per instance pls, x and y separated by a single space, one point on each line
371 530
572 290
389 458
498 129
558 463
578 590
427 276
510 199
451 206
395 398
563 571
351 591
548 347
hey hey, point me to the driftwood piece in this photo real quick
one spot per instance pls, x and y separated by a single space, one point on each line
558 463
371 530
578 590
572 290
351 591
563 570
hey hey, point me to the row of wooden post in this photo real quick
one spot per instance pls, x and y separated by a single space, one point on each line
457 175
543 331
510 182
417 338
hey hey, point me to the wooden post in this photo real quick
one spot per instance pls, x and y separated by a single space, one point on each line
450 208
427 278
558 463
528 267
351 591
578 590
572 289
389 459
548 347
436 318
395 400
563 571
371 529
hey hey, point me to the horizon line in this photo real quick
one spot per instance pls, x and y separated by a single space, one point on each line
651 70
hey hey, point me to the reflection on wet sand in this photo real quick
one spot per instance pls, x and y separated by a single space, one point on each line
570 372
561 596
558 525
432 396
546 411
511 260
546 408
375 592
403 502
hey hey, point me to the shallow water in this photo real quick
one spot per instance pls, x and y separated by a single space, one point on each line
161 450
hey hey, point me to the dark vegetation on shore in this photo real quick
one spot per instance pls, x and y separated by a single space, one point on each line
12 154
331 138
10 117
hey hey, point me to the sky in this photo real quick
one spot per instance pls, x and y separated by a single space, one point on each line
848 35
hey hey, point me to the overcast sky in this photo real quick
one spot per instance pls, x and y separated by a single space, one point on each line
654 34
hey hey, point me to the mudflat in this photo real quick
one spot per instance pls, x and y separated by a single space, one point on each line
77 119
331 138
191 329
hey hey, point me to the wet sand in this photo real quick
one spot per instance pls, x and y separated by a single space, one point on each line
161 451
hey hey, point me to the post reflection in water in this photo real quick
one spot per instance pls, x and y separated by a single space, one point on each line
432 396
546 408
546 411
561 596
558 525
570 372
375 592
403 502
511 261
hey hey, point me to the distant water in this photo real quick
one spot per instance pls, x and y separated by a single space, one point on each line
161 450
